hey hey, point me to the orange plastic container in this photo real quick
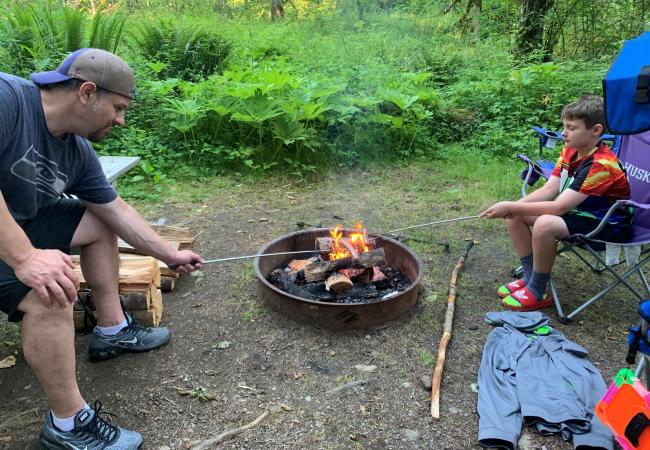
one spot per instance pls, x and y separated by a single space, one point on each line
625 409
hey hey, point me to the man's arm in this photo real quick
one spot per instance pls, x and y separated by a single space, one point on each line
48 272
128 224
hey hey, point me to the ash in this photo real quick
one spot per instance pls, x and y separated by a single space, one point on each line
375 291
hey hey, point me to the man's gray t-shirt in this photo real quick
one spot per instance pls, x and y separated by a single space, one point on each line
35 166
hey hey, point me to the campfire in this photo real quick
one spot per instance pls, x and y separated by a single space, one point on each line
348 267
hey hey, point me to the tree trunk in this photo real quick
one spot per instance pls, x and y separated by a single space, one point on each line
277 9
531 25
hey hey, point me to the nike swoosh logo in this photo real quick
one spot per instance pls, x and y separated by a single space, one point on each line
130 341
73 447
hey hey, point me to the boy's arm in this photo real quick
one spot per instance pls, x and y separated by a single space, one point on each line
566 201
547 192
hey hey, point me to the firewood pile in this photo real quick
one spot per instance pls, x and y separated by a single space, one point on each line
341 272
142 279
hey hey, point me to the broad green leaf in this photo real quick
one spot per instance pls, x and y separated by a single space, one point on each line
313 110
403 101
288 132
381 118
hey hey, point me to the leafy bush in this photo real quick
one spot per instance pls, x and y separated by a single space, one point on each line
182 51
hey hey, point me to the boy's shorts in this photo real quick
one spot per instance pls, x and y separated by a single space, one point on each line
578 224
53 228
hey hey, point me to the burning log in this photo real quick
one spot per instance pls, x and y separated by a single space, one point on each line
320 270
287 282
338 283
299 264
377 274
347 244
361 275
324 244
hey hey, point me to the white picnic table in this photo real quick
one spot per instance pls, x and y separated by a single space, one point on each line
116 166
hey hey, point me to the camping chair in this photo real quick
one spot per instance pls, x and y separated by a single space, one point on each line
626 90
634 154
543 168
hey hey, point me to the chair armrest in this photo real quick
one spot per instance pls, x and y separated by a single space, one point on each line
634 204
618 204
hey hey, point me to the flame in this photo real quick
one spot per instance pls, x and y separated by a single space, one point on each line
357 239
337 252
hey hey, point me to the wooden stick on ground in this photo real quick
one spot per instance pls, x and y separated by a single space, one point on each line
446 335
210 443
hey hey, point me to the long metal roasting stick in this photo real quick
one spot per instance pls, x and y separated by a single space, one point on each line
233 258
433 223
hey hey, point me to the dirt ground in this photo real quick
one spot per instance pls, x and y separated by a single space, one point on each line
236 358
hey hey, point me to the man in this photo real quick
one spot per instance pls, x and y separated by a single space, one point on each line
45 151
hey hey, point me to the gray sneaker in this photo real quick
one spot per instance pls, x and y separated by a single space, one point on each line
90 432
132 338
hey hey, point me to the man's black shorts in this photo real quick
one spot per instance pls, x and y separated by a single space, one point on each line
53 228
579 224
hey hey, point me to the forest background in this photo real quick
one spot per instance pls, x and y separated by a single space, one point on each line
301 87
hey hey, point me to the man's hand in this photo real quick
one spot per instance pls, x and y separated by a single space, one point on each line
498 210
187 261
50 273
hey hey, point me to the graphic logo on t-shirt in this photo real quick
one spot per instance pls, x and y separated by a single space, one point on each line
36 169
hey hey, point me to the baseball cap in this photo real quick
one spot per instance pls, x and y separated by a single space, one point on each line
106 70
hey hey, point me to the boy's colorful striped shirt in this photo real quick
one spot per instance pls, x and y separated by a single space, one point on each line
598 175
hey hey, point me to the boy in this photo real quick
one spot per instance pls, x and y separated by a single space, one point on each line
586 181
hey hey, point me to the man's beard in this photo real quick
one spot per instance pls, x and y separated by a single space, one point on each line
100 135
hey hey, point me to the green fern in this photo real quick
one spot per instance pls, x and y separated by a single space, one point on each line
74 26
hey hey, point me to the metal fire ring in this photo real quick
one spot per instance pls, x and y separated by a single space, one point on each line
338 315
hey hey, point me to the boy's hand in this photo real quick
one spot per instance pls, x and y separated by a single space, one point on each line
498 210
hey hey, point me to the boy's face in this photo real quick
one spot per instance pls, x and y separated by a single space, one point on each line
577 135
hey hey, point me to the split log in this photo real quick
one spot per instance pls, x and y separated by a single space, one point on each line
125 247
78 319
446 335
181 235
166 271
338 283
352 273
157 302
324 244
136 273
298 264
132 301
167 284
286 281
147 318
347 244
377 274
319 271
366 275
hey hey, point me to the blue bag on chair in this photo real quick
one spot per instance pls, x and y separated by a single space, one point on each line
626 88
637 337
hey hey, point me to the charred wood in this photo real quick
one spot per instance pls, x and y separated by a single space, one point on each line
320 270
338 283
